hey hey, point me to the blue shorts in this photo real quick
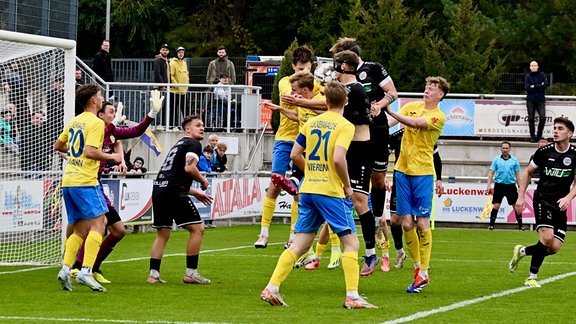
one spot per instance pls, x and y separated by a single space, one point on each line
84 203
414 194
281 157
313 209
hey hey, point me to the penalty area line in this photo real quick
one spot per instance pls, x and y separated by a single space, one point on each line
465 303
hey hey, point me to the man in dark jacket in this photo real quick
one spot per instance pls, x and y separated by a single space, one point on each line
535 84
102 62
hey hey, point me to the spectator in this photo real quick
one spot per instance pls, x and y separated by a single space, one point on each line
15 88
178 74
5 139
219 66
535 84
79 78
102 62
204 163
162 73
222 96
162 67
55 108
220 90
221 149
138 166
213 142
35 144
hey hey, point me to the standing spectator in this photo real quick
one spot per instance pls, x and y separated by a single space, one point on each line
535 84
179 74
213 142
505 171
102 62
551 199
221 149
14 86
220 90
171 203
423 122
35 145
55 108
222 96
79 78
5 128
162 74
219 66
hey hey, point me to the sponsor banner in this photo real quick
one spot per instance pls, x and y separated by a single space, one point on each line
204 210
510 118
132 198
22 205
237 197
459 115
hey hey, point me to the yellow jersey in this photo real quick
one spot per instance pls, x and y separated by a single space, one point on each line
417 147
320 136
304 114
83 130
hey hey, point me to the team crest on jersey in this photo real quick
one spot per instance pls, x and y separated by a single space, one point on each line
362 75
567 161
112 139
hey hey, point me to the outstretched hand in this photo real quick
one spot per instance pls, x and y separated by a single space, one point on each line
120 117
156 101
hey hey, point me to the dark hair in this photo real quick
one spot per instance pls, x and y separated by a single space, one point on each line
567 122
85 92
104 105
505 142
208 149
346 43
188 119
221 47
302 54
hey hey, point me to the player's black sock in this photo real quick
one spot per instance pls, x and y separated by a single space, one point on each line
368 229
397 236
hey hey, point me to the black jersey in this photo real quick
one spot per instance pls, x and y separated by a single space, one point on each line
557 171
373 76
172 174
396 141
357 109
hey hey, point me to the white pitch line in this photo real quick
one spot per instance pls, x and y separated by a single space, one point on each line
464 303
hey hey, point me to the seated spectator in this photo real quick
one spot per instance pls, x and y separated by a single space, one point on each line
5 139
204 163
221 149
138 166
222 96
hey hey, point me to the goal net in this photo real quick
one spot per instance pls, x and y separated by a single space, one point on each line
36 97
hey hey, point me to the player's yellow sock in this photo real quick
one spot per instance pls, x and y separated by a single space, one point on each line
425 248
320 249
91 248
351 270
411 239
73 244
268 206
293 215
334 238
283 267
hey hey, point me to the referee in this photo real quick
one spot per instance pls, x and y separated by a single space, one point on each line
505 172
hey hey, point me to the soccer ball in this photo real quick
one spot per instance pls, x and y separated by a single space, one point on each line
324 73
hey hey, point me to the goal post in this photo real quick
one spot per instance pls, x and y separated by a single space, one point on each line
37 95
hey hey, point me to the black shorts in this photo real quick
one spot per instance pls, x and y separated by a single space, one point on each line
359 166
171 205
379 139
550 216
505 190
112 216
393 194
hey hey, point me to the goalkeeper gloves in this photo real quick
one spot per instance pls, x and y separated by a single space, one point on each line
119 116
155 103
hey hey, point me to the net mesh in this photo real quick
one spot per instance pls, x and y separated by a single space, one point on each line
31 118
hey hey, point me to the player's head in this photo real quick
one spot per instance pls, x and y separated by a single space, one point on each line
303 84
345 62
302 58
336 95
90 94
193 127
563 129
346 43
107 113
436 87
505 148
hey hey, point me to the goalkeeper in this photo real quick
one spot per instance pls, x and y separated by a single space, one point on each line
112 135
